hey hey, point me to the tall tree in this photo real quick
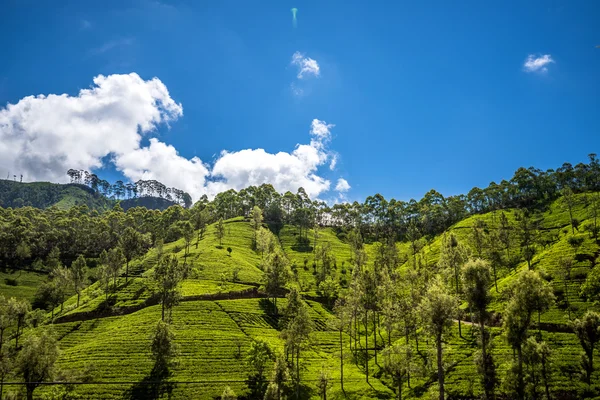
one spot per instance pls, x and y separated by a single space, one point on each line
568 198
6 317
79 276
188 235
18 310
276 275
256 220
259 355
201 218
134 244
220 231
35 362
115 261
164 349
476 281
438 308
396 363
453 256
588 332
566 266
529 293
167 277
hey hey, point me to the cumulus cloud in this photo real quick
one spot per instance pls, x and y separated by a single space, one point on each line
537 64
306 65
342 185
285 171
42 137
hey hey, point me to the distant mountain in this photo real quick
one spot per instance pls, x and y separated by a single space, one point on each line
45 194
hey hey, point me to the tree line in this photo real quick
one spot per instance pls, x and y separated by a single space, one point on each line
130 190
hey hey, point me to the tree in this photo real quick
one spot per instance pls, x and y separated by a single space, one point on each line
259 354
279 377
340 324
588 332
220 231
566 266
164 350
438 308
256 219
296 334
6 318
276 275
78 276
115 261
35 362
323 383
569 201
134 244
188 235
330 289
104 276
536 357
6 366
476 281
265 242
478 236
504 233
453 256
396 363
18 310
228 394
529 293
527 229
167 277
201 218
61 279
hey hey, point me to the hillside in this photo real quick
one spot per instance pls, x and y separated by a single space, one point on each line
223 307
64 196
236 280
46 194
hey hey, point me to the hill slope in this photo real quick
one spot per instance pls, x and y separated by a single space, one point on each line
222 307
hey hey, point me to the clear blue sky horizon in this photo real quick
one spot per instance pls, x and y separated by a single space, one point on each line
423 94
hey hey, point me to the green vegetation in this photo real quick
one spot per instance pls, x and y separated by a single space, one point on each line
260 295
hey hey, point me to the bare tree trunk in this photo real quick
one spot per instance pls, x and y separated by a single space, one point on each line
367 344
341 362
440 366
375 336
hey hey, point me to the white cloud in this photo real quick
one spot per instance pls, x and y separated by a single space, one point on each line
285 171
342 185
537 64
42 137
306 66
161 161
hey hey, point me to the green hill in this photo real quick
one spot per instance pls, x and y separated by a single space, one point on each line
46 194
65 196
226 304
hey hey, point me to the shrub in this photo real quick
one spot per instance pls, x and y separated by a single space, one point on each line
11 282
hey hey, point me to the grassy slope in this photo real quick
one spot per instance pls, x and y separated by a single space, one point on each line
27 284
206 329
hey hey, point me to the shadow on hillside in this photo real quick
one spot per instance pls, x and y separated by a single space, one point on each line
302 245
272 316
153 386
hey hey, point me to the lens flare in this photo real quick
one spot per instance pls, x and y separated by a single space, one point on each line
294 21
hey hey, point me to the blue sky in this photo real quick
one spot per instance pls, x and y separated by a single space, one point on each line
430 94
